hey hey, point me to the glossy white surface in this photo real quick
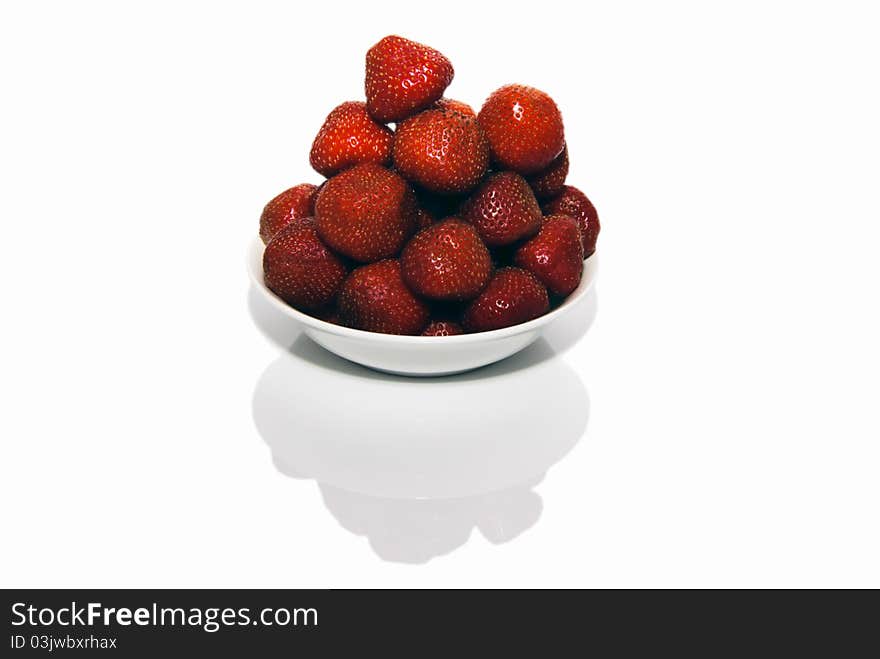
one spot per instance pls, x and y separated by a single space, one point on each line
717 425
416 465
418 355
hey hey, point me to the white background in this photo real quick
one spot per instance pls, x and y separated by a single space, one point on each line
730 375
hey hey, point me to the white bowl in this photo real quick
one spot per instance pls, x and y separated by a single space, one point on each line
420 355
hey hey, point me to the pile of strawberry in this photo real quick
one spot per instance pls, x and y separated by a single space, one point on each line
434 228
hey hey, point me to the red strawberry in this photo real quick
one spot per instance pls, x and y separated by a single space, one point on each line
513 296
549 182
290 205
524 127
350 136
443 328
446 261
404 77
374 298
556 255
574 203
441 150
458 106
503 210
300 269
366 212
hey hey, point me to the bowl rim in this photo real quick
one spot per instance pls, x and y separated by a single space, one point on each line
255 271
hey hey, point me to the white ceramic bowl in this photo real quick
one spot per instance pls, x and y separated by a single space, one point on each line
420 355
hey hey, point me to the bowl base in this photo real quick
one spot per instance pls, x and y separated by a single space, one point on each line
418 363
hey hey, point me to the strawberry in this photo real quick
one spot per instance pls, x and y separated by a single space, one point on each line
350 136
556 255
446 261
574 203
300 269
524 127
366 213
513 296
441 150
550 181
292 204
374 298
443 328
403 77
503 210
458 106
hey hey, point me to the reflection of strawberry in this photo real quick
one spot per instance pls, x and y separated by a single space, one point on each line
556 255
550 181
366 212
446 261
292 204
374 298
403 77
574 203
350 136
503 210
524 127
443 328
458 106
441 150
513 296
300 269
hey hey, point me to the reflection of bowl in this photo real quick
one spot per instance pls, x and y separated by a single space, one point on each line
415 467
420 355
386 436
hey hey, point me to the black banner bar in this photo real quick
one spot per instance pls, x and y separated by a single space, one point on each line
132 623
